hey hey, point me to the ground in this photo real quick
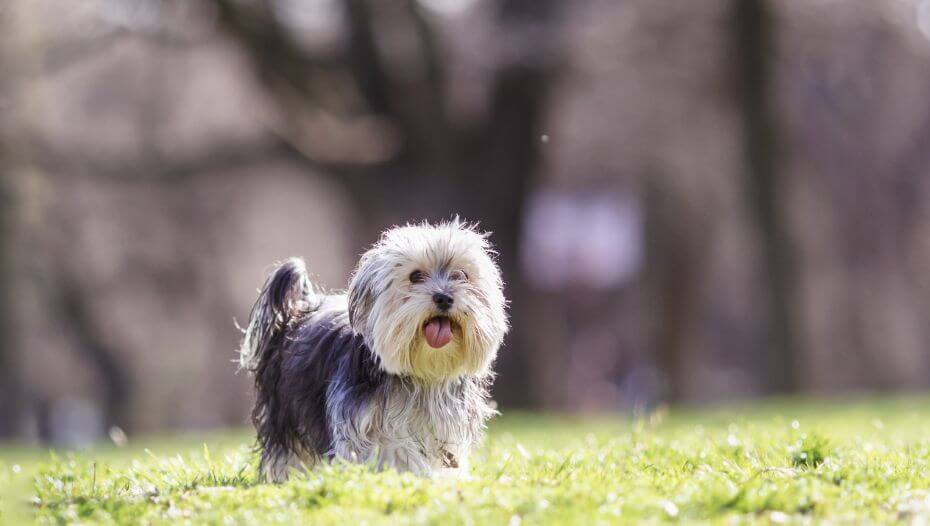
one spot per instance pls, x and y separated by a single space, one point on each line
776 462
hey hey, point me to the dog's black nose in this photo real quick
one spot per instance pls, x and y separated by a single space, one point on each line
443 301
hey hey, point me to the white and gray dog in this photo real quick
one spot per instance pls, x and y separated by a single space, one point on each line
395 371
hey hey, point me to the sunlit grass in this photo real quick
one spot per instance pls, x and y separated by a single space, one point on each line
770 463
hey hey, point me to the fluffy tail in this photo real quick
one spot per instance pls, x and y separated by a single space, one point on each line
287 295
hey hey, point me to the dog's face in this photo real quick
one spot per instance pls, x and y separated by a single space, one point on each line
428 300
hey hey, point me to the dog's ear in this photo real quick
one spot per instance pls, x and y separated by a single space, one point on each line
362 290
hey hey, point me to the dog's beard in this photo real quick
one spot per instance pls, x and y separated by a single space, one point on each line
393 294
399 338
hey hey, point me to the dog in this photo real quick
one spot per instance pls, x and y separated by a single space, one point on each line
394 372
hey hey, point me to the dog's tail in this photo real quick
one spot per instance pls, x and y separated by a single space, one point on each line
286 297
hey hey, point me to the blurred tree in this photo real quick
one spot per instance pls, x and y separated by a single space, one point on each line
10 371
678 253
755 32
401 155
11 399
96 350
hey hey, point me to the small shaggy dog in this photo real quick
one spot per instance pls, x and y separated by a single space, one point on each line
395 371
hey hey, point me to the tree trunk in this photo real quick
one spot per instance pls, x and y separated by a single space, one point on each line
677 243
496 189
97 352
766 188
11 399
10 372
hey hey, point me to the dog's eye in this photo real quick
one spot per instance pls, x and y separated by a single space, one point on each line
416 276
458 275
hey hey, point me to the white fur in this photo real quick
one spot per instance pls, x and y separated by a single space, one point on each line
389 310
411 427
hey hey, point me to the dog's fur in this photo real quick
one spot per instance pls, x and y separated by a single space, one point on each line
351 375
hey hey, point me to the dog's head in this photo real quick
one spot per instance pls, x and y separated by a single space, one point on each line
428 300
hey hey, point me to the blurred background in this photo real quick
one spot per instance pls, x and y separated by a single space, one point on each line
694 201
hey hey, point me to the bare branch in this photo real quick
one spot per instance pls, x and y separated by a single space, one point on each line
364 60
430 46
909 172
151 167
280 62
60 55
327 116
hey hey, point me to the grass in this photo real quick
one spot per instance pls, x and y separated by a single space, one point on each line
785 462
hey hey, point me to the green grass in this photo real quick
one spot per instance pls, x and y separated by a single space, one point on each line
866 461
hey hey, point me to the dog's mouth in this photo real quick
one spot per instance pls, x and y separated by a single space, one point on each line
438 331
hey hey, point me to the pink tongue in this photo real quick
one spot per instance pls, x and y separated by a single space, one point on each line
438 332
